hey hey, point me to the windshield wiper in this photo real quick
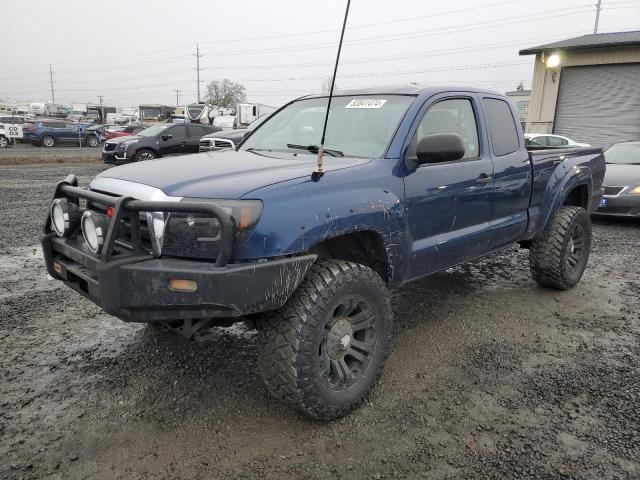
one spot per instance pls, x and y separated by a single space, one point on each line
315 148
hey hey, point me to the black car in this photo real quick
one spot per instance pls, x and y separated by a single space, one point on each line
621 182
229 138
154 142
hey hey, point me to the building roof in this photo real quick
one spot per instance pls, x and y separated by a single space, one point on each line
594 40
518 93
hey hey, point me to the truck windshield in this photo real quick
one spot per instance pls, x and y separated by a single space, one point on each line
623 153
359 126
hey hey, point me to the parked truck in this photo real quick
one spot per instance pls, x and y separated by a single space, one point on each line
248 112
414 181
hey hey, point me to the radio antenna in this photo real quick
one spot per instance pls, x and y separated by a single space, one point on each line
320 171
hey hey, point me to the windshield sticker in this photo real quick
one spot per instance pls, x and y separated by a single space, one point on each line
366 103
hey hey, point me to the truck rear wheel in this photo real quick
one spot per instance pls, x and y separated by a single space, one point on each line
325 349
559 259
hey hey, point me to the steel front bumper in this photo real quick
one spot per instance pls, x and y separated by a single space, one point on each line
134 285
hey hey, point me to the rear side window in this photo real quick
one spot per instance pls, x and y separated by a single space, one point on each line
557 141
504 136
197 131
178 132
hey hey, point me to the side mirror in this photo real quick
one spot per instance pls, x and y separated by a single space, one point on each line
167 137
440 147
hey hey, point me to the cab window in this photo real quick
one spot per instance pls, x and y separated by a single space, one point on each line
502 128
178 132
449 116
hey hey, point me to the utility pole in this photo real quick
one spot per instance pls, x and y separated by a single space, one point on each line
178 97
100 98
53 97
595 27
198 69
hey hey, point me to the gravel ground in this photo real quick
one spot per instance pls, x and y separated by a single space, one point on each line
490 377
23 153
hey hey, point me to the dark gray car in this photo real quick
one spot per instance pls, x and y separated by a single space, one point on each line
229 138
621 181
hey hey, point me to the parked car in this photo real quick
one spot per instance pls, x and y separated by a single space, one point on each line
121 131
621 181
414 181
12 119
157 141
57 132
549 140
229 138
4 140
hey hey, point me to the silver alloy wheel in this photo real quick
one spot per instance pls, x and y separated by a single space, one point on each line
3 142
92 141
48 141
146 156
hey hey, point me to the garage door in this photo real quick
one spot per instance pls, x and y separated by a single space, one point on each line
599 104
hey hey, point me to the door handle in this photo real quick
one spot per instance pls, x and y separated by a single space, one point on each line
484 178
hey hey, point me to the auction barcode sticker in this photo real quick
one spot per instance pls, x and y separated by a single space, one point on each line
366 103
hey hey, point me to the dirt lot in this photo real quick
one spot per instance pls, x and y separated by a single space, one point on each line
490 377
22 154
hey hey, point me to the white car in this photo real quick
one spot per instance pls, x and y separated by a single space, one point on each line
551 140
226 122
4 141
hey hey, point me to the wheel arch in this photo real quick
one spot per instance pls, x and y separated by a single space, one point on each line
366 247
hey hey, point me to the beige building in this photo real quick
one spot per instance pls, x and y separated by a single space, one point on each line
520 99
587 88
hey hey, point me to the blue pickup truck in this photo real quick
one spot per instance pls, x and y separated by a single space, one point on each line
415 181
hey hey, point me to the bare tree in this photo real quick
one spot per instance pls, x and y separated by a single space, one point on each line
225 93
326 86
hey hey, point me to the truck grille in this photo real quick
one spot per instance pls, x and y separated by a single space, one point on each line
124 233
108 147
612 191
205 145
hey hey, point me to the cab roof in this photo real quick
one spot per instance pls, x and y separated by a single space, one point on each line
405 90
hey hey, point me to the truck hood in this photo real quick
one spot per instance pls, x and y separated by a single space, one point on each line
224 174
622 175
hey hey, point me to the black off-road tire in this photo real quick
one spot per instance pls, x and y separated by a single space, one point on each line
294 357
559 259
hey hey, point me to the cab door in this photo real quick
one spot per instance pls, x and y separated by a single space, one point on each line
512 167
449 204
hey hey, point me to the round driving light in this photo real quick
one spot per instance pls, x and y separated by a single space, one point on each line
65 216
94 230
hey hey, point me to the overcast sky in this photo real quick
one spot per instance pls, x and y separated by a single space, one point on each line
134 52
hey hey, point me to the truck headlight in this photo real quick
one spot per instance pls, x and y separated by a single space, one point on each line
65 216
197 235
94 229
